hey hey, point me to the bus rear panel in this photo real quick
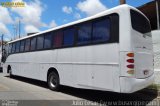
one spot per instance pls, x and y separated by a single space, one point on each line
139 61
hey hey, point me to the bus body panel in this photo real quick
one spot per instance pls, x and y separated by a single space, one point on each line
31 64
89 67
143 70
96 68
125 29
124 41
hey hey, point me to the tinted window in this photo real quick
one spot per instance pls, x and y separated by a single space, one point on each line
33 43
68 37
40 40
13 47
47 41
10 48
139 22
27 45
101 30
17 46
84 33
57 39
22 46
114 34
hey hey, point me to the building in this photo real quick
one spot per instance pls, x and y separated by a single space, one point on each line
150 10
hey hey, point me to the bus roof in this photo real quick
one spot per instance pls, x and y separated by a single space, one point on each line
106 12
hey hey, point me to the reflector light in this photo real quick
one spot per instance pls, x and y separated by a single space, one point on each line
130 60
130 54
130 66
130 71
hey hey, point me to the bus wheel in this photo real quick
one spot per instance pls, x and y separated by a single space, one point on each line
53 81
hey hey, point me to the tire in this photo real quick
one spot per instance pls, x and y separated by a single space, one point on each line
53 81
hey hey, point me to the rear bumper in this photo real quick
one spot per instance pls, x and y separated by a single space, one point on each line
130 85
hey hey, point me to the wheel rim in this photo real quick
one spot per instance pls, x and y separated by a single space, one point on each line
53 81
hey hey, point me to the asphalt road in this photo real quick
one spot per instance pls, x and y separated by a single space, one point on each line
25 91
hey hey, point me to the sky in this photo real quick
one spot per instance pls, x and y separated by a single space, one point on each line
40 15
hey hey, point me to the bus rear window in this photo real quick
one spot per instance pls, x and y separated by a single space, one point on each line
139 22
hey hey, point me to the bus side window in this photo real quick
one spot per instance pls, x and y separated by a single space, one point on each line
10 48
22 45
47 41
101 30
57 39
13 48
40 42
114 38
68 36
27 45
17 46
84 33
33 43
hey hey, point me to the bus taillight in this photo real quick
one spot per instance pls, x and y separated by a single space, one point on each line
131 66
130 71
130 63
130 60
130 54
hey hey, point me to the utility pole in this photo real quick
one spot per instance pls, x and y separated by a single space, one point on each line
14 31
16 26
19 28
122 2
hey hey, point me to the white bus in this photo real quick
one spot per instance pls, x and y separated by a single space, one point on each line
110 51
